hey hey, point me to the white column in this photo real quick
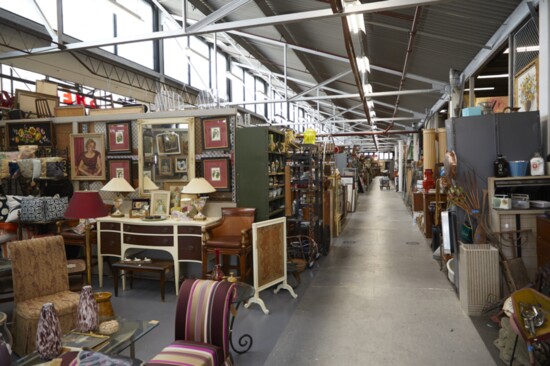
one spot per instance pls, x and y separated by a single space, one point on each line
544 77
400 170
416 147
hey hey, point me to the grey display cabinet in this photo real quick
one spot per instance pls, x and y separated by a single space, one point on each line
260 176
478 140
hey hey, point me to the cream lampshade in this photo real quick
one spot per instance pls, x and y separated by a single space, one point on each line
199 186
120 186
148 184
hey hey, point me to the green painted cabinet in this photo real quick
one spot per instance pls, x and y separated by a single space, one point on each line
259 167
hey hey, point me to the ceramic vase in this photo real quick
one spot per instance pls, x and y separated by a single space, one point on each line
4 331
428 183
5 352
48 333
87 311
104 306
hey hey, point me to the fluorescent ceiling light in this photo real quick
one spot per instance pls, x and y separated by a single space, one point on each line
525 49
480 89
495 76
363 64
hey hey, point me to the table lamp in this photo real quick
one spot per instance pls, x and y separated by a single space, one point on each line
120 186
86 205
148 184
198 186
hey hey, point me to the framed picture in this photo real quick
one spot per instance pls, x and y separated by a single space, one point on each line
165 166
120 168
87 153
215 134
160 203
526 88
168 143
148 143
29 133
140 207
119 137
180 165
216 171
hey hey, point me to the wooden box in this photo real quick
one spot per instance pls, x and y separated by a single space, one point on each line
70 111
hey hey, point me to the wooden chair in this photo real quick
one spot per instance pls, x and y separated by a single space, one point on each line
202 325
42 108
39 269
232 237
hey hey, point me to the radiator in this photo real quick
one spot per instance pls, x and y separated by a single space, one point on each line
479 279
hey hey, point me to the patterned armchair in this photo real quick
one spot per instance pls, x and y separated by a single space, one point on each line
40 275
202 326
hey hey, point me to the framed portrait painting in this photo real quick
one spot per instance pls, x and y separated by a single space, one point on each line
29 133
217 173
165 166
215 134
120 168
87 154
160 203
119 138
526 86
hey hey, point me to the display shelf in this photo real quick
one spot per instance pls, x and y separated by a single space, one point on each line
304 197
260 177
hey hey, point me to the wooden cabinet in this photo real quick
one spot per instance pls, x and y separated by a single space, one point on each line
260 177
182 239
428 219
543 240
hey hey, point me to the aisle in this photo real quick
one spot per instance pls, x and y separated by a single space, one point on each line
379 299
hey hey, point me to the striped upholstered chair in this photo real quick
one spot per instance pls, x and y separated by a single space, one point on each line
202 326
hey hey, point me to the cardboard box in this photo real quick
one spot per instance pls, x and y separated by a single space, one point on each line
123 110
70 111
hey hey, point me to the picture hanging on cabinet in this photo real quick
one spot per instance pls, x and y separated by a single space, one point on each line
526 84
29 133
217 173
215 134
119 138
181 165
168 143
87 152
120 168
165 166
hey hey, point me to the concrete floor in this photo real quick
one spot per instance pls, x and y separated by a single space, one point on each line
378 298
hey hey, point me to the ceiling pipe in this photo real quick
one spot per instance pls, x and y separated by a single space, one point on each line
412 34
363 133
337 8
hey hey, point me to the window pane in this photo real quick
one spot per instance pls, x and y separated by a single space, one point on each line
175 60
129 23
237 86
249 90
198 55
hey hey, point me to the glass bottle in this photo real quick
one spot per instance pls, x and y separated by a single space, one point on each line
501 167
217 273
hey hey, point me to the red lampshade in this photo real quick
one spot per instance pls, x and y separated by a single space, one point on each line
86 205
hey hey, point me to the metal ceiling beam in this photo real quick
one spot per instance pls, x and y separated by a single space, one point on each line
217 15
228 26
318 86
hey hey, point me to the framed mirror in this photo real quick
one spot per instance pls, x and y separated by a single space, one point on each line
166 152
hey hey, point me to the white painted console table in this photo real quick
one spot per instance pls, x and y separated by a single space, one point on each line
182 239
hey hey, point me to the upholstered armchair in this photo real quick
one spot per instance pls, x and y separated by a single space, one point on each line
232 236
39 270
202 325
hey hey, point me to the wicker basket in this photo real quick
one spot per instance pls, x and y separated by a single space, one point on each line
300 263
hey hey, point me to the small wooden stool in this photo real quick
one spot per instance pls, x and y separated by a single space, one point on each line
160 267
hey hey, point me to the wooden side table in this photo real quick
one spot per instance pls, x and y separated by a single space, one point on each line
156 266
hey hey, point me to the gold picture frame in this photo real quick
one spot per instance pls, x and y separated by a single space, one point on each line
526 87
